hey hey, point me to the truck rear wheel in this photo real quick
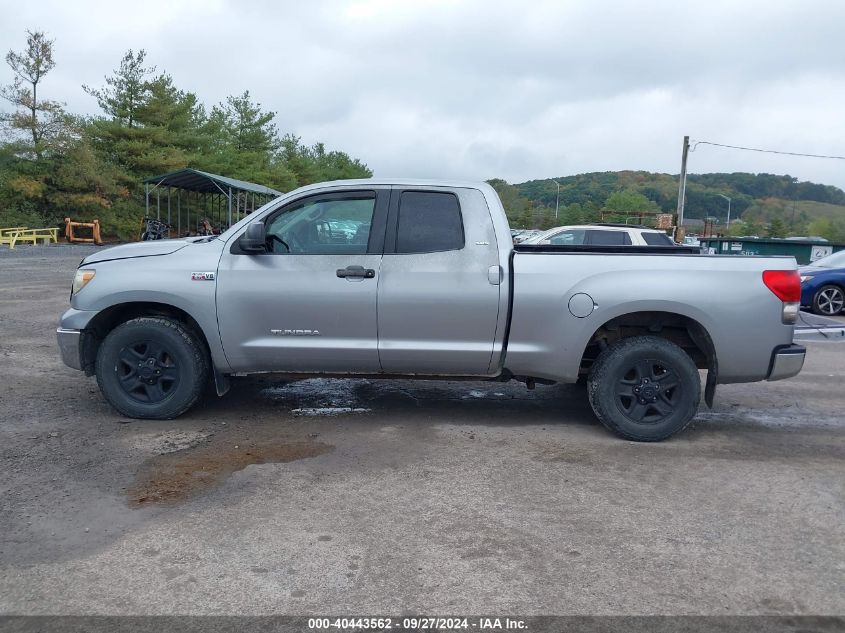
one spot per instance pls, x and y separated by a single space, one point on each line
152 367
644 388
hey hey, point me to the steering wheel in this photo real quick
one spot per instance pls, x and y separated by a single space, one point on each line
275 238
296 245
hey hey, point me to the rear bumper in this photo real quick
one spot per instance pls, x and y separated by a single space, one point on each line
69 347
787 361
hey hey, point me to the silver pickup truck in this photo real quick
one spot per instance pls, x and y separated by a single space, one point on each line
408 278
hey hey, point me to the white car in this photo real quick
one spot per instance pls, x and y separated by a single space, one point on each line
602 235
520 235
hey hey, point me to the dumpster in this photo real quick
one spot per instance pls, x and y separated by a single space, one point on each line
804 251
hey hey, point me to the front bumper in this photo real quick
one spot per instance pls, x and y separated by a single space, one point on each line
69 347
807 296
787 361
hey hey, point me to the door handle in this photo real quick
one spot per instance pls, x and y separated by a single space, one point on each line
356 271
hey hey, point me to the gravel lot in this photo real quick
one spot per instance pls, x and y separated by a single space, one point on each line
364 496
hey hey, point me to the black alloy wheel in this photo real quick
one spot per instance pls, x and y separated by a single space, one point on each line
147 371
152 367
644 388
648 391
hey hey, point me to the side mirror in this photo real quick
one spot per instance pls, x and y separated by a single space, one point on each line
254 239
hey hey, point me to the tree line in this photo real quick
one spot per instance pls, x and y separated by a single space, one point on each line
55 163
761 204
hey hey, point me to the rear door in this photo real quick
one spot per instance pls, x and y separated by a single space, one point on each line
309 302
438 296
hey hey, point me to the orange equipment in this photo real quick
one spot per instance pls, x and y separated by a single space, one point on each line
70 225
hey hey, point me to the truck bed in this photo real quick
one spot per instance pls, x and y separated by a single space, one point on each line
564 295
588 248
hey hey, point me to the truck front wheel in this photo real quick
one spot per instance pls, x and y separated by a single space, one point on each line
644 388
152 367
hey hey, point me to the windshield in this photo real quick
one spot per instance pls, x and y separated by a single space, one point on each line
837 260
538 237
571 237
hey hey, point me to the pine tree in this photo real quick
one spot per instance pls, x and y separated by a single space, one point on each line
126 90
41 121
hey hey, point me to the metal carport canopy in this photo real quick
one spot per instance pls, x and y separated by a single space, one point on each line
203 182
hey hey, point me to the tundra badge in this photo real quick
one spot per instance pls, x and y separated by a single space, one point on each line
295 332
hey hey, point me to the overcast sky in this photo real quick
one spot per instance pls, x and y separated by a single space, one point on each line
481 89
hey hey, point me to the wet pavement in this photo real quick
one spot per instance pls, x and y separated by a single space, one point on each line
370 496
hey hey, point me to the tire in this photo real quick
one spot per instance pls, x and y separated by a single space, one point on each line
663 382
829 300
153 368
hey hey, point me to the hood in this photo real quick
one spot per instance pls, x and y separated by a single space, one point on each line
137 249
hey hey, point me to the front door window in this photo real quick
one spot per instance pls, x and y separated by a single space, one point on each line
323 227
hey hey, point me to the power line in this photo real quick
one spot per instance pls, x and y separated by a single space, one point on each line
766 151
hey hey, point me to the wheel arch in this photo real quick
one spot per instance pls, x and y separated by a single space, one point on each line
109 318
686 332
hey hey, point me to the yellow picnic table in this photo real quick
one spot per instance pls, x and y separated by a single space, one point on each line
14 235
6 233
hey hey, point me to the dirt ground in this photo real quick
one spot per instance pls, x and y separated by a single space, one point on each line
365 496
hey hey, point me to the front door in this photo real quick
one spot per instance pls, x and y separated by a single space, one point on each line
309 302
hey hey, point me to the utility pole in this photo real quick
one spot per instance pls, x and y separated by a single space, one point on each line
557 202
682 187
728 223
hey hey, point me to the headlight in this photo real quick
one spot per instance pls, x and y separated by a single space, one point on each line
805 278
83 276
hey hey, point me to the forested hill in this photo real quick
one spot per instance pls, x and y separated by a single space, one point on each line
756 199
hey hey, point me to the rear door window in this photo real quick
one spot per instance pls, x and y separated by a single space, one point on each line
429 222
607 238
657 239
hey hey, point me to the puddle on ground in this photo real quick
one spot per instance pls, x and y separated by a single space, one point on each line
314 397
173 477
776 419
317 411
321 396
327 392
